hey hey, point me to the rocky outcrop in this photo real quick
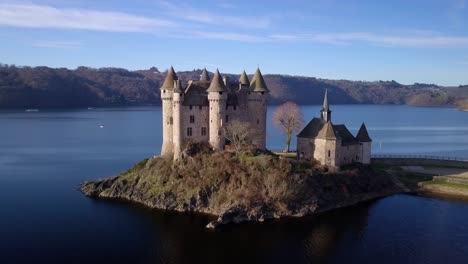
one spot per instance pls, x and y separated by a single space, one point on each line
245 188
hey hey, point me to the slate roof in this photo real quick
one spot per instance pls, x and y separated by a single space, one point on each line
317 128
244 79
327 131
363 135
177 86
168 83
312 128
217 84
204 75
342 132
195 93
258 83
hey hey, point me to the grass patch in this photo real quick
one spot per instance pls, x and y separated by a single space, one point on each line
448 184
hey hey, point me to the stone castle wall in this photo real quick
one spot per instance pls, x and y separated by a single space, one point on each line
326 151
167 147
348 154
252 109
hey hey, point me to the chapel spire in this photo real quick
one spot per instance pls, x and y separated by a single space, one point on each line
325 112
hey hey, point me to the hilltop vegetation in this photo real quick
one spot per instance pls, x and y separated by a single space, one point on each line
43 87
252 186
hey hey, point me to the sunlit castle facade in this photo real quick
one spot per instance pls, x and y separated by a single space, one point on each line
198 110
333 145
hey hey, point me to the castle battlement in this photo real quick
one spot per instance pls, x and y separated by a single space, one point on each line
198 111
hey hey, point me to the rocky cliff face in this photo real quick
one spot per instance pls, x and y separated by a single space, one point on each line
248 187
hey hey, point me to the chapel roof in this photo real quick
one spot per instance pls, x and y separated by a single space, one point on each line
363 135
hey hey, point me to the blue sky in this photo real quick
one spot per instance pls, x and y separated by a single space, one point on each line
407 41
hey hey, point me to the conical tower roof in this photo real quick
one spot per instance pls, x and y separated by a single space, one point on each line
168 83
217 84
325 107
204 75
178 87
244 79
327 131
258 84
363 135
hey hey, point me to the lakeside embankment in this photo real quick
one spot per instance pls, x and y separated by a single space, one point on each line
245 187
428 176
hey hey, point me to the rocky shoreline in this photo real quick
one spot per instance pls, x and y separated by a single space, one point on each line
235 190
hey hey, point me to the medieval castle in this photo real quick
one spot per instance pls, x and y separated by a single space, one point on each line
197 111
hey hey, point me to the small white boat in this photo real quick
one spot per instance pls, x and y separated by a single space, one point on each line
31 110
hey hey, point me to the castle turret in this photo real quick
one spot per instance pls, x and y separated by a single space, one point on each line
204 77
217 97
365 143
325 113
257 106
244 82
167 117
177 101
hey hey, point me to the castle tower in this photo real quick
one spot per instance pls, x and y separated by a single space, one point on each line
167 118
204 77
177 101
217 98
257 106
244 82
365 143
325 113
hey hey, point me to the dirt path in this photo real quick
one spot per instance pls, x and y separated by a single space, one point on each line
437 171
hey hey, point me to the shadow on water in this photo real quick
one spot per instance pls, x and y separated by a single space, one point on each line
181 238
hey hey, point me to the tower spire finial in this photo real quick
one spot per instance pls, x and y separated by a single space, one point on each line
326 112
326 107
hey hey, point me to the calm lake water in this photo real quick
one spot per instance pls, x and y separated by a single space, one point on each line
44 219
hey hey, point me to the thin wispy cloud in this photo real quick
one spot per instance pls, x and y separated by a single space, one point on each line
57 44
350 38
193 14
43 16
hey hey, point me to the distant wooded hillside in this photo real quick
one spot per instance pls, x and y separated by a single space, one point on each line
43 87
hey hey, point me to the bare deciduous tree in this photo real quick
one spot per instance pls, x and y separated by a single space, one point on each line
239 133
288 118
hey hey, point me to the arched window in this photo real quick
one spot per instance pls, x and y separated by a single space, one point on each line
329 153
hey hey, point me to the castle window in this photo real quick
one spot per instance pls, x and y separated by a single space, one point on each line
235 107
203 131
192 119
200 107
189 131
227 118
329 153
220 93
263 92
258 121
190 107
171 120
